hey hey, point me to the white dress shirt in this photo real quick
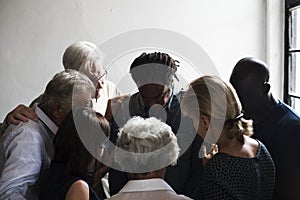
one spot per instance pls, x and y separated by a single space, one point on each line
108 91
147 189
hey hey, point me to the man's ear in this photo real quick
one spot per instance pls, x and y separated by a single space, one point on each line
205 121
267 87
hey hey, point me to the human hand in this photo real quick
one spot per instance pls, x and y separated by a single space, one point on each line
206 157
20 113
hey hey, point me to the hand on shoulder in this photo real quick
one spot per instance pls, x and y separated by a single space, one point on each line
20 113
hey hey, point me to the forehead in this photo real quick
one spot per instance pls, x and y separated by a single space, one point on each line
248 89
247 82
152 89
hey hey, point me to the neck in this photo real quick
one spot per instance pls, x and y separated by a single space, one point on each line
148 175
228 144
268 106
50 115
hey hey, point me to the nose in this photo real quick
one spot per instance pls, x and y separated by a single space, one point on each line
150 103
100 84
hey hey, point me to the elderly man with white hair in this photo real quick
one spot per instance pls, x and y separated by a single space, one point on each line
87 58
81 56
145 147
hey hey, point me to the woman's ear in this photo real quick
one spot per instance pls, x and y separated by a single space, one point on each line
205 121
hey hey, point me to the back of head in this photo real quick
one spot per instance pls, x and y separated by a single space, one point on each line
146 145
250 78
249 69
80 139
216 99
83 56
156 67
66 88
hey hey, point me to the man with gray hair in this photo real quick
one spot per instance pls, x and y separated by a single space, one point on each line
145 147
26 149
87 58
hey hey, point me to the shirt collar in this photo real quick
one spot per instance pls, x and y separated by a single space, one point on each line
45 119
146 185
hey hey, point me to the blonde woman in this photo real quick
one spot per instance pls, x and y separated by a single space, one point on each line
243 167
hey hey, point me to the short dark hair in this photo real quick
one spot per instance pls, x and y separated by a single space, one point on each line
250 68
154 67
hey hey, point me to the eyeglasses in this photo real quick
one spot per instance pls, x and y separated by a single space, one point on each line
100 77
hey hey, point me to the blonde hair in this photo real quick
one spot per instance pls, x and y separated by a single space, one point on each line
217 100
146 145
83 56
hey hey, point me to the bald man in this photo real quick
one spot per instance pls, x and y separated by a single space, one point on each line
276 124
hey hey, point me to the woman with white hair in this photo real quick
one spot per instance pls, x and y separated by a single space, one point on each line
145 147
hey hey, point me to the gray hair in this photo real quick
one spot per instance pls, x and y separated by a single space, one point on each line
65 85
83 56
146 145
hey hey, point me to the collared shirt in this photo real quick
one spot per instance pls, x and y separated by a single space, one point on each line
147 189
25 151
108 91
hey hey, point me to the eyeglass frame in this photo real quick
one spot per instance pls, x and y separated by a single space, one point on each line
98 78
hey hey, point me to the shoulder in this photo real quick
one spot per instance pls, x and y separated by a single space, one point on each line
110 84
263 153
111 89
25 131
78 190
114 105
172 195
288 112
183 197
180 197
252 146
118 99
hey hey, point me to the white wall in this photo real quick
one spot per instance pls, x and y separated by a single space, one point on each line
34 34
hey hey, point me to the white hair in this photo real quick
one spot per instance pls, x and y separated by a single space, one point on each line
146 145
83 56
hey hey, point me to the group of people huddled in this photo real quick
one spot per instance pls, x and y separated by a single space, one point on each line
215 140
